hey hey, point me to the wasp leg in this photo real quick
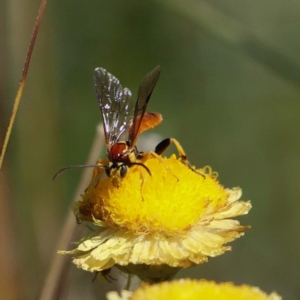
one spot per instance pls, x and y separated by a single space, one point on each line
154 154
99 170
128 284
105 274
163 145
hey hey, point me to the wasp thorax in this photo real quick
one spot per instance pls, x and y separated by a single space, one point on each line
117 151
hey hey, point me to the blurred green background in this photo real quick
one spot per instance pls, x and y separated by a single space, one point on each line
229 92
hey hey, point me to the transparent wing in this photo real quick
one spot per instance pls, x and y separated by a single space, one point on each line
144 94
114 102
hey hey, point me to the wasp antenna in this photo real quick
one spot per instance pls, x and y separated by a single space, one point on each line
142 165
76 167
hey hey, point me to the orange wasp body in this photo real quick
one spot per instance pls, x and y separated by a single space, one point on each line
121 121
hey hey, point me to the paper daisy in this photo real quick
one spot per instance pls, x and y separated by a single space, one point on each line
193 290
153 225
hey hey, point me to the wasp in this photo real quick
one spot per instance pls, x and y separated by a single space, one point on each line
123 122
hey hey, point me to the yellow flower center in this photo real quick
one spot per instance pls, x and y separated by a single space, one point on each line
200 289
172 198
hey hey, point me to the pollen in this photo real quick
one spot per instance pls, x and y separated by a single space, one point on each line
172 199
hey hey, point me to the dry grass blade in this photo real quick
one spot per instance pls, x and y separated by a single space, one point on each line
23 79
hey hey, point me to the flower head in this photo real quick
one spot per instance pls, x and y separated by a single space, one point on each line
152 225
194 289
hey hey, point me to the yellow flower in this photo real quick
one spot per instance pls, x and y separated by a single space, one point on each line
194 289
153 225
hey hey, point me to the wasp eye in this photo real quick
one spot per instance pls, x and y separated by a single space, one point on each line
108 171
123 171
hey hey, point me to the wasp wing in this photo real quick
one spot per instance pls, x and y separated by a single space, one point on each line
145 91
114 102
